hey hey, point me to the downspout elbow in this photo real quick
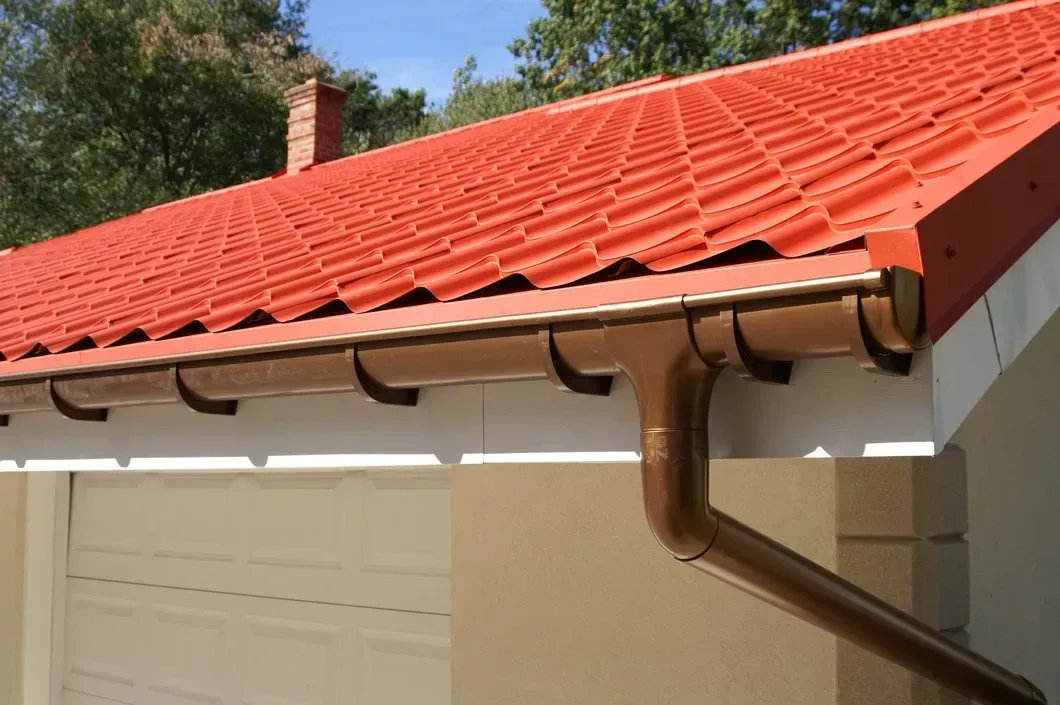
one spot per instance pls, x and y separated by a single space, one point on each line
673 384
675 492
1035 692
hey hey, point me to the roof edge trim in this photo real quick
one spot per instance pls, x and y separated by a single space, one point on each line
388 323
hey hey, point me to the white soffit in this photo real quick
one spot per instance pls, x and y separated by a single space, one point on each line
993 332
832 407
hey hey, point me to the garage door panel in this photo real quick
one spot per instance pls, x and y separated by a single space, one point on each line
186 654
170 646
209 502
292 661
301 521
108 517
376 538
385 655
102 633
72 697
395 542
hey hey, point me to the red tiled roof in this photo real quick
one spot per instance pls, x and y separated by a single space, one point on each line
868 146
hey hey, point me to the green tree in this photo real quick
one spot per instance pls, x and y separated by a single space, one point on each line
581 46
21 38
372 118
472 99
21 35
475 98
135 102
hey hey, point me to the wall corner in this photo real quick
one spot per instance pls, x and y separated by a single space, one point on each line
900 526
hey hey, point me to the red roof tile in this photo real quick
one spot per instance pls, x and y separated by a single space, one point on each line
857 146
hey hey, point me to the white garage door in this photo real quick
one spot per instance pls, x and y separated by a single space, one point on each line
258 589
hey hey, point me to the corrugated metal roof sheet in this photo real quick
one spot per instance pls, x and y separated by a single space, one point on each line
788 158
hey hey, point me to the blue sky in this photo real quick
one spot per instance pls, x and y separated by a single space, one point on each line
418 43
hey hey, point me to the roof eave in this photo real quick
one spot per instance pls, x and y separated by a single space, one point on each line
874 315
508 310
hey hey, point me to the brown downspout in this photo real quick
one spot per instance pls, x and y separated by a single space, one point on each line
673 386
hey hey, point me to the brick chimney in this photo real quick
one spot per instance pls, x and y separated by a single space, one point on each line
314 127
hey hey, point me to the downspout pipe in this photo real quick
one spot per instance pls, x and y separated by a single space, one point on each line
673 386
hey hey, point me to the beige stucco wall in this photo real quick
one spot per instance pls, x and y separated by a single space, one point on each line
562 596
12 542
1012 442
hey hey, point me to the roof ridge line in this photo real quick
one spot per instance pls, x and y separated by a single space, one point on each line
813 52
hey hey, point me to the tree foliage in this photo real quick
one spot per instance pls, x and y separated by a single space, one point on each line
372 118
134 102
21 31
586 45
475 98
21 37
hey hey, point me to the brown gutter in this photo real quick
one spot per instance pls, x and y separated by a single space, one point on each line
672 350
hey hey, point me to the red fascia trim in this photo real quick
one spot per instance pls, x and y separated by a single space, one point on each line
993 209
541 302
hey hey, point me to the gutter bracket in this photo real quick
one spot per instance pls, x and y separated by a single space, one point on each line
869 354
197 403
68 410
373 391
743 362
562 376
